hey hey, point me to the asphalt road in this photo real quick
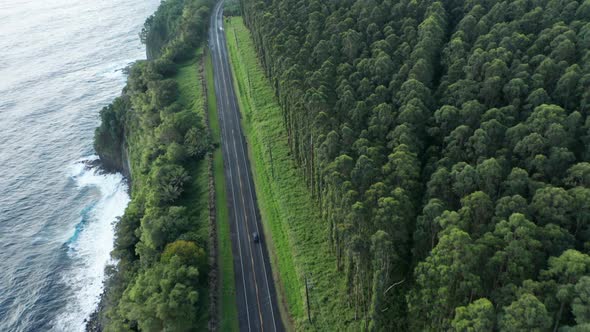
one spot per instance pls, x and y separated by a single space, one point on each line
255 291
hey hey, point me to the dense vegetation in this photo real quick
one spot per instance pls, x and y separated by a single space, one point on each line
447 145
160 279
231 7
176 29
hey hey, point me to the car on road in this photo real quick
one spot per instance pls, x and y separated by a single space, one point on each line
255 237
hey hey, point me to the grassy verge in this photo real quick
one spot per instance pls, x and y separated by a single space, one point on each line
298 238
191 97
196 194
227 302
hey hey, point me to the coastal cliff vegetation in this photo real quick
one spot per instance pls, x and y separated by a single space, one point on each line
156 126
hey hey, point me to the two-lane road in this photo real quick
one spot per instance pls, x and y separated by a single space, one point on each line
255 292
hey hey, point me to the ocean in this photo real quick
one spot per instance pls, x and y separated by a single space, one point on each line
61 61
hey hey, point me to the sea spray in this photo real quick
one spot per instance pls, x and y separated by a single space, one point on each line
91 242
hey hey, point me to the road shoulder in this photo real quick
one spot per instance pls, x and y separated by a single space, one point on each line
228 314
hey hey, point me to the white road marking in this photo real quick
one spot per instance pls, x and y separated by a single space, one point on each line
218 19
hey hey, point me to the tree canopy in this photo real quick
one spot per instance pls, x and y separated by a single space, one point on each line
159 281
453 134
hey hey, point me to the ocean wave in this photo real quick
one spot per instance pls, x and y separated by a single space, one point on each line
91 242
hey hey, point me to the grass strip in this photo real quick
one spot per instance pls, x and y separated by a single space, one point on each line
298 237
196 195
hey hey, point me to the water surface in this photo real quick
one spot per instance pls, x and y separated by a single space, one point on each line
61 61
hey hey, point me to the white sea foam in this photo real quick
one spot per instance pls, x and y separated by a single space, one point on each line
91 243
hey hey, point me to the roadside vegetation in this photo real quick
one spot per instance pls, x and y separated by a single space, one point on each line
445 146
160 280
231 7
295 233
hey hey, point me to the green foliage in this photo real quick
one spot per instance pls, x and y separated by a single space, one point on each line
297 236
581 302
156 129
166 297
168 182
457 130
109 137
444 280
176 29
231 7
525 314
478 316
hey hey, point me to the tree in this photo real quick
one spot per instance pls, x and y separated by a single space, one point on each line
427 228
160 227
508 205
515 90
403 169
196 144
163 93
456 142
165 297
445 281
566 91
364 173
439 185
525 314
394 215
168 183
580 227
447 118
476 211
544 116
529 147
566 270
579 175
187 252
537 97
490 174
515 253
352 43
380 245
552 205
478 316
581 302
466 179
517 183
479 144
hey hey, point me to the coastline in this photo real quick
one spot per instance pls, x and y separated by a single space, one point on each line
161 104
93 322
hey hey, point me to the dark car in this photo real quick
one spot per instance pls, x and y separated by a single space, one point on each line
255 237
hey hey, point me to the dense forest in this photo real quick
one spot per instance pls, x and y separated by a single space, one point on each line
447 144
160 279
